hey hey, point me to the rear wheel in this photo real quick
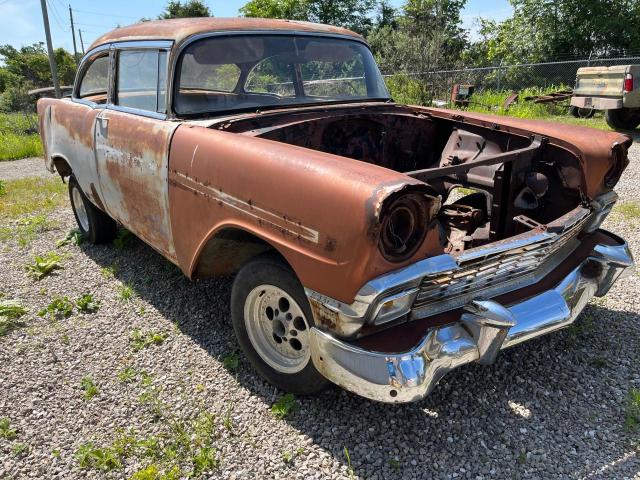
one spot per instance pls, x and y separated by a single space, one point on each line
95 225
272 321
578 112
623 118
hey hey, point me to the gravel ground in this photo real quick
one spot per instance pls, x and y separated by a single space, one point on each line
27 167
551 408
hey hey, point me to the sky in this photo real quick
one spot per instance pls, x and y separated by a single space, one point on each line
21 20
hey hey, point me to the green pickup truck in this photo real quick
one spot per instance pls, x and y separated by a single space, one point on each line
616 90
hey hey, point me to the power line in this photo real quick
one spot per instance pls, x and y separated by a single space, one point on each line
56 16
104 14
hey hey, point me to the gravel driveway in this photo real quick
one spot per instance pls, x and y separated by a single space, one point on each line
27 167
551 408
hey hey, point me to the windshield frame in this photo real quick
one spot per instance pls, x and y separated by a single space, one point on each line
177 63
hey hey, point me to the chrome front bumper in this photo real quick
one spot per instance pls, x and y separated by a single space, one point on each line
485 329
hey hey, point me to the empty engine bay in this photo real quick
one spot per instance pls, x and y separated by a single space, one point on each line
480 204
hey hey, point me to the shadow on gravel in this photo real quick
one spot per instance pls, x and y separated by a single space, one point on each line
517 416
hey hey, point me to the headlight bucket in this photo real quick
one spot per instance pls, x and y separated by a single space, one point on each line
404 226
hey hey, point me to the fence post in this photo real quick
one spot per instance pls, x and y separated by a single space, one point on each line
500 74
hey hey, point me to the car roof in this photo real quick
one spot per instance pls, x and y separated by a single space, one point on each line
179 29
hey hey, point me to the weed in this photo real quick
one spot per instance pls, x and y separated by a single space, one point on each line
522 457
289 456
231 362
10 313
628 210
285 405
90 456
151 398
89 387
26 229
599 362
6 431
349 467
20 449
74 237
56 453
155 472
394 463
126 292
127 375
65 339
58 308
139 339
3 188
110 271
44 265
632 413
86 304
145 378
200 388
227 420
122 239
13 146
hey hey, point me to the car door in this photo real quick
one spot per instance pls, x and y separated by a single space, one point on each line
132 145
69 125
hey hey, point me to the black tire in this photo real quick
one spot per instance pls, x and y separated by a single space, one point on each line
97 227
623 118
271 270
578 112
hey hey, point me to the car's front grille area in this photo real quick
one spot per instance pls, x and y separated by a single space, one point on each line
495 273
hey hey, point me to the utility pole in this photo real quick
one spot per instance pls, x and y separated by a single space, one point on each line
52 60
81 42
73 35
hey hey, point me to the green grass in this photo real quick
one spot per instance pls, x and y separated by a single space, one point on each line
405 90
31 196
628 210
19 137
492 101
285 406
27 228
632 413
126 292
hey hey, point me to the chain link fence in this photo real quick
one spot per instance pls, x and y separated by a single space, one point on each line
548 75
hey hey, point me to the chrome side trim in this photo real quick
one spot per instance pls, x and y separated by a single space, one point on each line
480 334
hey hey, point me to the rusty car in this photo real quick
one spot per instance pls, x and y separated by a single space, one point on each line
374 245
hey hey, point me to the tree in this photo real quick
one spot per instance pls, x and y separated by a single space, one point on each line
428 35
543 30
289 9
31 64
352 14
190 8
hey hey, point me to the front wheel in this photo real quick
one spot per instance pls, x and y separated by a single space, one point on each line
623 118
272 321
95 225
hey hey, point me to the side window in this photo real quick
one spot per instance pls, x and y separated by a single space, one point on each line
95 82
141 80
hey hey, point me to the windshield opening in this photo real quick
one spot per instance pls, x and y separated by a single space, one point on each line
241 72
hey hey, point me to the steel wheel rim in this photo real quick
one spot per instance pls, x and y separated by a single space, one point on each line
80 209
277 328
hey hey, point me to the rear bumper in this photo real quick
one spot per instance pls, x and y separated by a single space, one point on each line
478 336
599 103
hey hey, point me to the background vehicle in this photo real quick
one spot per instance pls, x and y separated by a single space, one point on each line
616 90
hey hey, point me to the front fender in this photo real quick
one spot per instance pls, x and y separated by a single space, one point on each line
320 211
